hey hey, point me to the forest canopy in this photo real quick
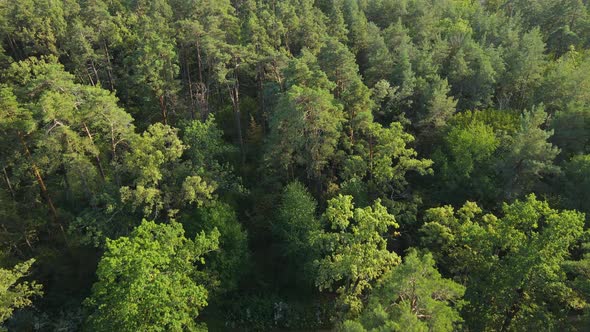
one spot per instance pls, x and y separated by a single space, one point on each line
257 165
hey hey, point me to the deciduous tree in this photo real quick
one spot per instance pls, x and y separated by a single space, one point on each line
150 281
354 251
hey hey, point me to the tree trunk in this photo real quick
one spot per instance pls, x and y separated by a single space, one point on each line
109 67
235 97
234 92
14 48
95 73
97 157
8 183
202 88
190 84
163 109
260 90
39 178
199 62
89 77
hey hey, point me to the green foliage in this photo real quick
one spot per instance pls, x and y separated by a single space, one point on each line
412 297
512 265
502 121
228 264
354 250
565 81
524 70
440 106
149 281
297 130
305 129
159 184
296 220
205 142
208 151
528 155
472 73
382 161
35 26
151 59
379 59
579 281
562 22
489 155
571 127
305 71
472 145
575 183
295 223
14 294
66 138
465 165
340 67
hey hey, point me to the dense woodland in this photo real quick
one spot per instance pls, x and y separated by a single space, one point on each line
357 165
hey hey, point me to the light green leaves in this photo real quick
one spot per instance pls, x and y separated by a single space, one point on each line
412 297
354 250
14 294
149 280
162 180
197 191
512 265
